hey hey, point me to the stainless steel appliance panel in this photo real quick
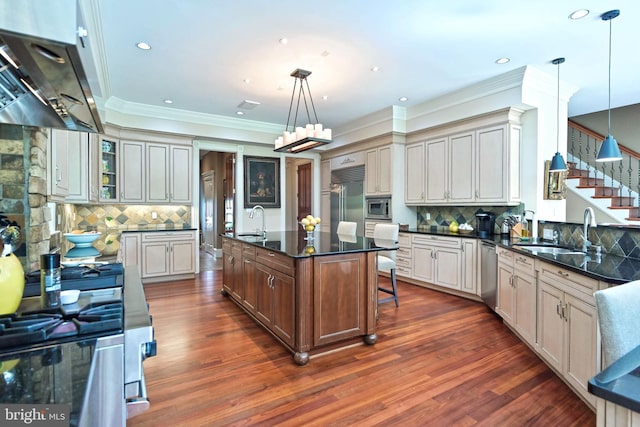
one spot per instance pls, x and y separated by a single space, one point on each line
347 198
378 208
489 274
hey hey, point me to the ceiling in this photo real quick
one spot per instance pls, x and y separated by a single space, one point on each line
204 50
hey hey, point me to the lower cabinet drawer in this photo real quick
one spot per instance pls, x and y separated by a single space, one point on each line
276 260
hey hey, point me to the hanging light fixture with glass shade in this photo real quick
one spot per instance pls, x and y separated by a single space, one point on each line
557 163
609 150
302 138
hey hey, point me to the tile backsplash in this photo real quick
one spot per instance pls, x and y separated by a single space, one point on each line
111 220
444 215
614 240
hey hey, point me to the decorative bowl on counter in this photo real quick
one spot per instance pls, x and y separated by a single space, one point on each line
83 240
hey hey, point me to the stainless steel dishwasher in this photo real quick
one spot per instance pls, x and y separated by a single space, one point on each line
488 274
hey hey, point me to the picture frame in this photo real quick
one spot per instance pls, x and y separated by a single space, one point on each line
261 182
554 183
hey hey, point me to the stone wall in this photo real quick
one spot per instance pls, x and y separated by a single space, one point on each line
23 185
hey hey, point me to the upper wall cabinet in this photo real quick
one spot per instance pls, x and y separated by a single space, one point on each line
378 171
476 166
180 172
68 165
135 171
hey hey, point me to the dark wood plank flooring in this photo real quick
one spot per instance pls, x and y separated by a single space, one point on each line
440 360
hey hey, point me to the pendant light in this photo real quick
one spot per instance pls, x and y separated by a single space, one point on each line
609 150
302 138
557 163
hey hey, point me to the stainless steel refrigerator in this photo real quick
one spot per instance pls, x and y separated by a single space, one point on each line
347 197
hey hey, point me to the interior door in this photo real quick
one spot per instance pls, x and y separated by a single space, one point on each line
304 190
208 196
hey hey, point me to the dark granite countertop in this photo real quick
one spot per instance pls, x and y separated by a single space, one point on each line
293 243
155 229
608 268
620 382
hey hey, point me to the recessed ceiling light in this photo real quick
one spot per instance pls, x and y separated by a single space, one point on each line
247 81
375 68
502 60
578 14
239 113
283 40
403 99
143 46
168 101
325 97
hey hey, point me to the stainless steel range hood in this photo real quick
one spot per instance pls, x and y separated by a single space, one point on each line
44 66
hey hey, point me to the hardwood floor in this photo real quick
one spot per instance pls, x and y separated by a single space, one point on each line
440 360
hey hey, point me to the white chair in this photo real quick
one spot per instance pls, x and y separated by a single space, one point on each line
619 319
347 228
386 235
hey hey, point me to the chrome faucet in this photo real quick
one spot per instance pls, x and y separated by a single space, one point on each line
253 212
589 220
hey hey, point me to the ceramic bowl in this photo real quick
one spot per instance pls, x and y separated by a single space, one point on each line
83 240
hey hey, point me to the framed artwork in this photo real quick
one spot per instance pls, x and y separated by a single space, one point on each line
554 183
261 182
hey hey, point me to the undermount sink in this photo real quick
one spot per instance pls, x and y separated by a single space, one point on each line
553 250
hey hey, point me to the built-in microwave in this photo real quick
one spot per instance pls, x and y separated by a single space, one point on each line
378 208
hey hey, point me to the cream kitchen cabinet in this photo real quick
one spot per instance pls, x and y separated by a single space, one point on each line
472 163
144 168
378 175
567 325
449 162
517 296
68 165
415 174
168 175
180 174
404 255
442 170
132 167
58 165
470 266
130 253
166 254
437 260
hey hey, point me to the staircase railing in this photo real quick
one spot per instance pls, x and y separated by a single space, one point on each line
621 178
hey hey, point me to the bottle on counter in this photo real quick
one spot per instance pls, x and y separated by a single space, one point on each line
50 282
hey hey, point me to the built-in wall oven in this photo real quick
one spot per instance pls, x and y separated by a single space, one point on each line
378 208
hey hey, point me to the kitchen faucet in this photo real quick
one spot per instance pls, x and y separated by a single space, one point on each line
253 212
589 220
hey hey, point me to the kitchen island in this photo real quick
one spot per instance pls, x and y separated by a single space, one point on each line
313 297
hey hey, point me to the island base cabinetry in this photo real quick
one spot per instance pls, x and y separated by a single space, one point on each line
567 326
312 305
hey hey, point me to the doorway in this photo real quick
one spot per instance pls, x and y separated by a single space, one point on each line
209 214
216 207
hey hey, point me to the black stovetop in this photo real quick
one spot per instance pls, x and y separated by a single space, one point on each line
95 314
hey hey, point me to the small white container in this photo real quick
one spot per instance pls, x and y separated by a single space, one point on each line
69 296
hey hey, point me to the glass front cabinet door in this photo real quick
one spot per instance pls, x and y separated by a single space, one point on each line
108 171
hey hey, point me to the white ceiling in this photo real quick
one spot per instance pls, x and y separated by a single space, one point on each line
202 50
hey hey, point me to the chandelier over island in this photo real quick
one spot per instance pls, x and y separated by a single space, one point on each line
302 138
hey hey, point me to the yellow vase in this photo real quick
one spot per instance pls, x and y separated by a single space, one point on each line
11 284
